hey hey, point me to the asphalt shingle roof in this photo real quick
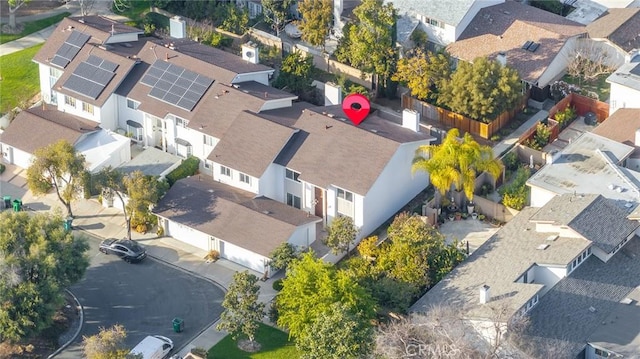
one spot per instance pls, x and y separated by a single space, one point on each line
257 224
620 26
451 12
621 127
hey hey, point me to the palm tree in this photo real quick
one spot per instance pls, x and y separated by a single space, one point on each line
456 163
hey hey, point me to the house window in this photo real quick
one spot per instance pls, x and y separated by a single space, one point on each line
292 175
70 101
225 171
602 353
180 122
207 164
245 178
588 250
345 203
132 104
87 107
293 201
207 140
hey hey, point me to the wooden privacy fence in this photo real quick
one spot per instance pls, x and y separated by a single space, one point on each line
582 104
461 122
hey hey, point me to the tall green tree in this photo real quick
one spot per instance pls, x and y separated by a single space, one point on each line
242 311
340 234
276 13
372 39
38 260
316 20
424 73
282 256
481 90
295 73
337 334
311 287
14 5
109 343
456 163
59 167
235 19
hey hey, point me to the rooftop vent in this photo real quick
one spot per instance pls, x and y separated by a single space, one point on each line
530 46
485 296
542 247
592 309
552 237
626 301
266 212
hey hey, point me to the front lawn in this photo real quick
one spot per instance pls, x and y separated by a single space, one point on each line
598 85
19 80
275 345
33 26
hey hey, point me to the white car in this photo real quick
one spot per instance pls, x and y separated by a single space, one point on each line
153 347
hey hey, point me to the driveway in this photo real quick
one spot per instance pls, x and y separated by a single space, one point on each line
474 231
144 298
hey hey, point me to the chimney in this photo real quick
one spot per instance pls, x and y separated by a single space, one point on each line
637 143
485 297
332 94
502 58
250 52
177 27
411 120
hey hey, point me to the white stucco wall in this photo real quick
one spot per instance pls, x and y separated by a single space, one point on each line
234 179
549 276
558 66
539 196
623 97
303 236
16 156
270 184
107 115
46 82
260 77
394 188
358 209
442 36
274 104
125 113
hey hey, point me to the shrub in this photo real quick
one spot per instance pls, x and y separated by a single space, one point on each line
277 285
565 116
218 40
160 231
511 161
187 168
2 168
213 255
542 135
141 228
515 200
514 195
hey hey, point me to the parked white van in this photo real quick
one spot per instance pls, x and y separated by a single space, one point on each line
152 347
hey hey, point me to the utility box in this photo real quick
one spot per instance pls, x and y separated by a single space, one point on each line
178 325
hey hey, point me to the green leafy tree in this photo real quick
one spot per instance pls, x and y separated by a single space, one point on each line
38 259
60 167
340 234
372 39
337 333
481 90
14 5
316 20
423 73
295 73
109 343
242 311
235 19
121 5
282 256
311 287
456 163
276 13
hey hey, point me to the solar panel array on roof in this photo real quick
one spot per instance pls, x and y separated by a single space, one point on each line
91 77
69 49
175 85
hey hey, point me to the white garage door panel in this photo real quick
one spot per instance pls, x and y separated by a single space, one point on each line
242 256
187 235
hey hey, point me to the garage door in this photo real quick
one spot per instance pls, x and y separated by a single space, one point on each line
242 256
188 235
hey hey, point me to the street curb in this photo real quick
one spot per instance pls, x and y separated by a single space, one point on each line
75 335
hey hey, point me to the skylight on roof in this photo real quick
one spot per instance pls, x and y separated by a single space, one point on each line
531 46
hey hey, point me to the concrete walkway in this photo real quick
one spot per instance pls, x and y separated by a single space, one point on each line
93 218
504 145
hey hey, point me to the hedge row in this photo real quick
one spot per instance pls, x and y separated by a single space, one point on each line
187 168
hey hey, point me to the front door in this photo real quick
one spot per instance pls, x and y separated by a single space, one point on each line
319 201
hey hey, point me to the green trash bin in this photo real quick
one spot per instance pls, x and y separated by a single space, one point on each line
178 325
7 202
17 205
67 224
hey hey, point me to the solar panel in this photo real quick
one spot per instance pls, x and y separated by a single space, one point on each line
94 60
91 77
635 70
176 85
101 63
68 51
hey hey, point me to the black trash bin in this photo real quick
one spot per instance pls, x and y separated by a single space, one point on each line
7 202
178 325
17 205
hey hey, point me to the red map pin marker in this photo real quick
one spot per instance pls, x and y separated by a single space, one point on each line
356 107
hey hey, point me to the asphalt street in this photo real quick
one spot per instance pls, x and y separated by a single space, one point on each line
144 298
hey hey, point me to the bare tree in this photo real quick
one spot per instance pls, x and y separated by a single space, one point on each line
587 62
86 6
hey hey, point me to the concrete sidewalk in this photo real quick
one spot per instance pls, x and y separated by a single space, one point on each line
509 141
91 217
